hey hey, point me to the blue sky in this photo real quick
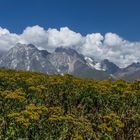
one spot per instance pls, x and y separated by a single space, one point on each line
102 29
85 16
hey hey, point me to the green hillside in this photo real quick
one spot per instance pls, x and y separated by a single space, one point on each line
36 106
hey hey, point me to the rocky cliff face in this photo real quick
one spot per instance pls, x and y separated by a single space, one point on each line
64 61
61 61
132 72
27 57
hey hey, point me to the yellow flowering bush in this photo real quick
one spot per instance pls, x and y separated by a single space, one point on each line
37 106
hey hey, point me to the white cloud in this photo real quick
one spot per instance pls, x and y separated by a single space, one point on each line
120 51
63 38
35 35
92 45
111 46
3 31
7 39
112 39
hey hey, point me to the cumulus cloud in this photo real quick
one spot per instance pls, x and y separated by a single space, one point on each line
110 46
7 39
35 35
63 38
112 39
120 51
92 45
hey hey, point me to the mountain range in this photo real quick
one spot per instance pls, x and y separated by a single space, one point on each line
64 61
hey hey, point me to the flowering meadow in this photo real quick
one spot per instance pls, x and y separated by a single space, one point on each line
36 106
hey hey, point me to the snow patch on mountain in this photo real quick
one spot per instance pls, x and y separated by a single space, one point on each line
93 64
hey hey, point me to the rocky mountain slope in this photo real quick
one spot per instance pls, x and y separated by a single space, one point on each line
27 57
61 61
64 61
132 72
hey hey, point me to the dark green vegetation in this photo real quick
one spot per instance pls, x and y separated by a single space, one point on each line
35 106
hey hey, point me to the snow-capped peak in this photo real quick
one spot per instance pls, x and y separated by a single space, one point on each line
88 59
97 66
91 63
